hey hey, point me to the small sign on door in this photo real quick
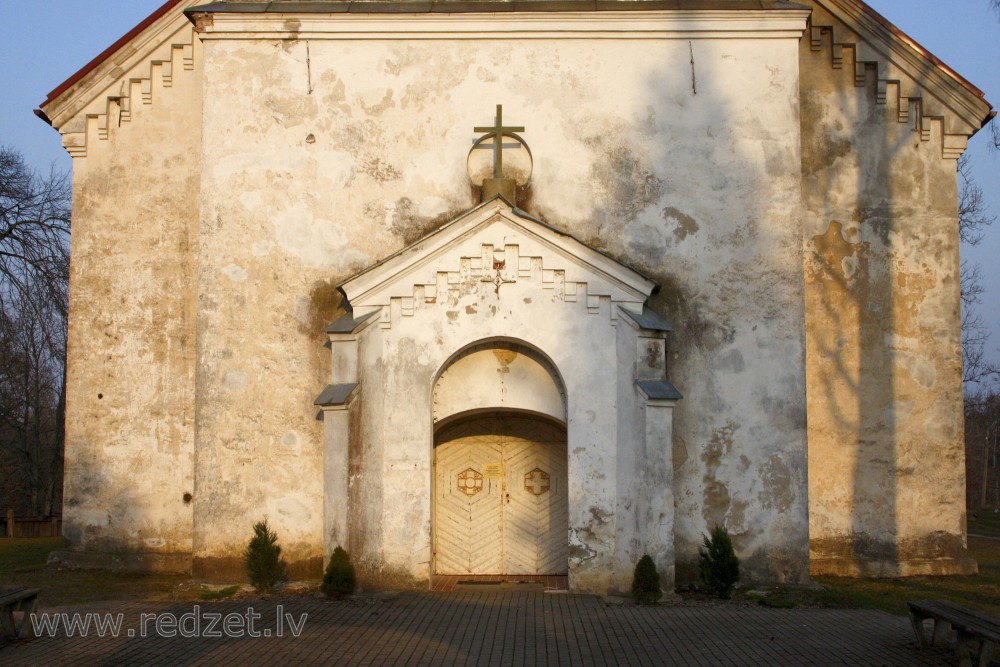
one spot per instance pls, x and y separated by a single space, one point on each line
493 470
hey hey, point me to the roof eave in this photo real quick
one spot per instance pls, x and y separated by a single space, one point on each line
108 52
962 98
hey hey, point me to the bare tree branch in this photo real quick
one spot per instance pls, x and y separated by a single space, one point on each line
973 217
973 220
972 284
34 229
34 262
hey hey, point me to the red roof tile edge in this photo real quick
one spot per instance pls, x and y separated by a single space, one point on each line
108 52
884 22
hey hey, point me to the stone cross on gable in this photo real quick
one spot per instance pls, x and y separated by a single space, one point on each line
498 131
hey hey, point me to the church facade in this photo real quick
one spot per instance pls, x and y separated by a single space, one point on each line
516 288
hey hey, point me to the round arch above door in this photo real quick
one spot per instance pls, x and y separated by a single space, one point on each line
498 375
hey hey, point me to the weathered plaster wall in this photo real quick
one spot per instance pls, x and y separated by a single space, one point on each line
886 466
409 361
130 376
315 155
492 378
443 317
644 513
323 156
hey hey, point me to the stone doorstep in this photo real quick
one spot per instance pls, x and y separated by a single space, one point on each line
499 582
485 586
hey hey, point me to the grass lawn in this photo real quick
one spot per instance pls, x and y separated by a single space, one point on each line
22 565
26 553
980 591
985 522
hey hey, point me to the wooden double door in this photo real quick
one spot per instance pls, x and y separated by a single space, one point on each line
501 503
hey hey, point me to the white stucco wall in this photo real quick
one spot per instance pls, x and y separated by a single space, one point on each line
209 239
325 154
130 378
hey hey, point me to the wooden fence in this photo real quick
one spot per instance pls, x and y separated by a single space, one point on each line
38 527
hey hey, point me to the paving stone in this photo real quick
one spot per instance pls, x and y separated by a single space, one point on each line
487 628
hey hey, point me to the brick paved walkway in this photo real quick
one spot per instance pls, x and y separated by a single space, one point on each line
495 628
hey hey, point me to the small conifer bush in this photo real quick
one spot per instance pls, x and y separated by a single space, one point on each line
339 579
263 558
718 565
646 582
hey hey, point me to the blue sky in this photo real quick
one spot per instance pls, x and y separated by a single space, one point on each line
43 43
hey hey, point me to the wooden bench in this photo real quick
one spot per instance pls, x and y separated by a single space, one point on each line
970 627
23 600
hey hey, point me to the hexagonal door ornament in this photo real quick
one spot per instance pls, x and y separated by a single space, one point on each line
470 482
536 482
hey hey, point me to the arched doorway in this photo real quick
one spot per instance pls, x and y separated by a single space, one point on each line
501 497
500 463
497 315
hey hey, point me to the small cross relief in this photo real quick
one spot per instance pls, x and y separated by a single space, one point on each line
536 482
470 482
497 278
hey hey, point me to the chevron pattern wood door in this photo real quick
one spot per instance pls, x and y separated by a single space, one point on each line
468 521
501 503
535 509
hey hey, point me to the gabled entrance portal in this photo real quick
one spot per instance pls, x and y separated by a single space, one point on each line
500 496
499 406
